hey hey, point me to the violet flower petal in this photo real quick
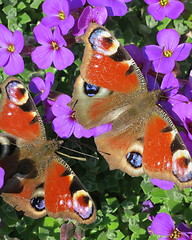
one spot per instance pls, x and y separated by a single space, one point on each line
182 51
60 106
39 55
152 52
58 37
163 184
18 40
102 129
2 174
67 24
6 37
156 11
17 61
76 3
168 39
163 65
174 9
36 85
63 58
50 21
117 8
162 224
63 126
4 56
171 84
43 34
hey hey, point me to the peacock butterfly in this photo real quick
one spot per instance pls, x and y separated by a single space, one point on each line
37 181
112 89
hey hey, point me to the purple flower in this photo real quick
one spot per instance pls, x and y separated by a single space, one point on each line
52 49
73 4
138 57
41 87
48 103
184 111
2 174
89 14
188 87
48 115
58 14
184 228
170 96
168 51
163 225
114 8
11 44
163 184
187 141
65 123
164 8
147 206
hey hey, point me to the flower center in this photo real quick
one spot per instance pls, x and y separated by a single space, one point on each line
61 15
11 48
164 3
54 45
73 116
175 234
167 53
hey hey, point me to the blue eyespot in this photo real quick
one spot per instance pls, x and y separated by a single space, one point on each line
135 159
90 89
38 203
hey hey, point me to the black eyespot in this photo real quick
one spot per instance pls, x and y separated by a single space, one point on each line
90 89
38 203
26 166
135 159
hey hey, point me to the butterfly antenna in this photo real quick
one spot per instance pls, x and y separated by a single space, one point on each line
74 104
73 157
75 151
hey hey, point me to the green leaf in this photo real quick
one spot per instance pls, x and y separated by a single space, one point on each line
35 4
150 21
24 18
163 24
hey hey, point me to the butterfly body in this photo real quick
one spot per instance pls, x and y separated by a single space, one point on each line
37 181
112 89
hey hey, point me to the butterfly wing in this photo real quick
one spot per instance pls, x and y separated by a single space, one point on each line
18 114
123 100
165 156
65 196
55 191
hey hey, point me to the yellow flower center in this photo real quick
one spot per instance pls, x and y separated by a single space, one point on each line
61 15
167 53
54 45
11 48
175 234
164 3
73 115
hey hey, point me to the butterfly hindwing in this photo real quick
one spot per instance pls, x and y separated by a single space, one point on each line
66 196
165 156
